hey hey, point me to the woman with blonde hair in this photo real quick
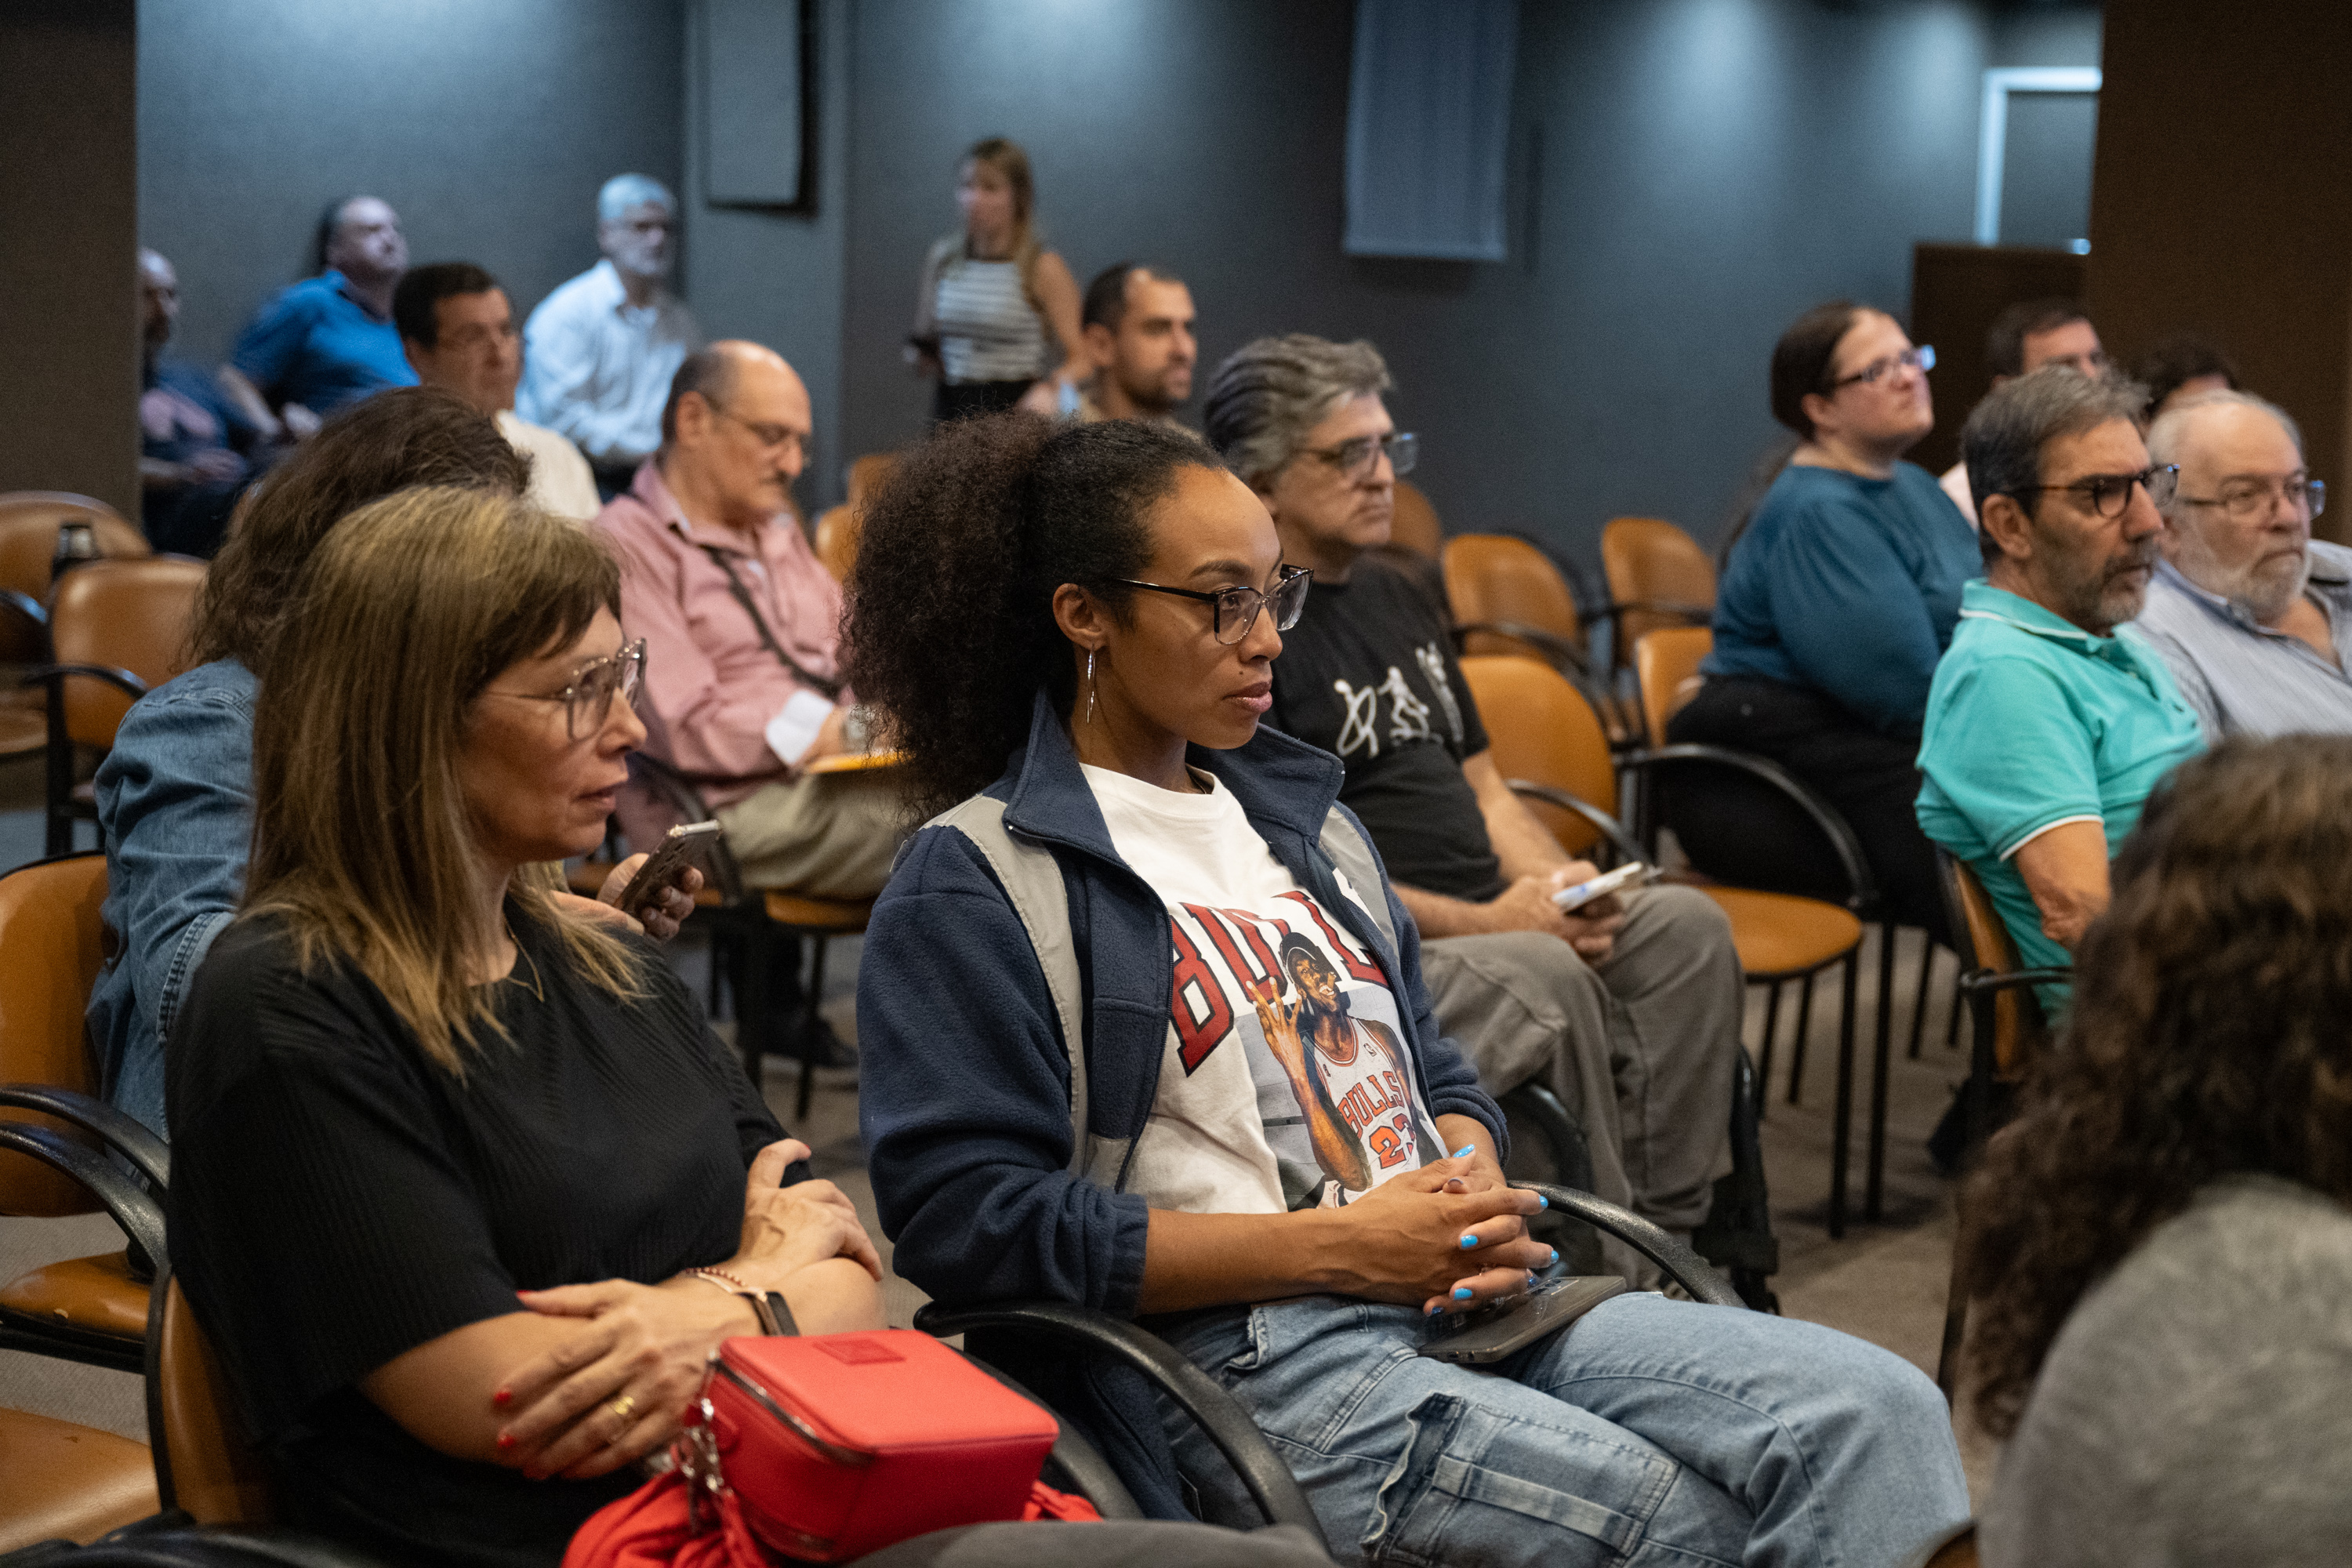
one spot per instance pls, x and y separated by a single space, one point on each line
991 294
464 1190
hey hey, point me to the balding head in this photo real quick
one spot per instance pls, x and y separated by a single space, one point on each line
2239 525
735 434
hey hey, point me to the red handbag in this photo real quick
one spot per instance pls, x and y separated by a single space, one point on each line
827 1447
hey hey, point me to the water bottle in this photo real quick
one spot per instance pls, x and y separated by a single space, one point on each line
76 546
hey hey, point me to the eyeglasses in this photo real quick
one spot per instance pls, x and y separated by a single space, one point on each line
770 437
2110 494
1921 359
2247 500
1356 459
1235 609
588 701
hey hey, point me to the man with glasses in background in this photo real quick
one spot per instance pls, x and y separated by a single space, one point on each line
742 692
1627 1009
2021 340
458 333
2046 728
2252 614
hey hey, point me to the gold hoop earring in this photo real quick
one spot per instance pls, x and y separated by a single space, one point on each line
1090 687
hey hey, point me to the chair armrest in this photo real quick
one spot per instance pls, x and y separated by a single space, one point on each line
1695 615
1080 1460
1985 980
1558 649
171 1540
1215 1412
120 1131
1682 1266
1824 815
49 674
1610 828
131 1206
25 606
688 802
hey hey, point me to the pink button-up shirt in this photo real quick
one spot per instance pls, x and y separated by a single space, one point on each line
710 686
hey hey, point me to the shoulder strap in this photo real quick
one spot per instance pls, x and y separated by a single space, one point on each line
1032 879
830 688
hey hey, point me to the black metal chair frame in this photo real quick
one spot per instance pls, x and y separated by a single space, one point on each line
1981 986
134 1201
61 809
1220 1416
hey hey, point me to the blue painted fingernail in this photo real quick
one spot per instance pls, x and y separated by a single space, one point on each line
1462 1292
1542 1202
1555 1256
1464 1150
1437 1310
1468 1241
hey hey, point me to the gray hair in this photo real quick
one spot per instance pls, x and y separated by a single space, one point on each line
2164 437
622 192
1270 393
2004 438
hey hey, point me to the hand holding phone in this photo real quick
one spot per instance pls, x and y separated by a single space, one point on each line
688 845
1570 899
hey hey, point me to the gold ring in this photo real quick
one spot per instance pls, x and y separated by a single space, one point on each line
623 1406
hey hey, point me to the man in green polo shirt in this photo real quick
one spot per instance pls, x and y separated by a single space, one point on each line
2046 726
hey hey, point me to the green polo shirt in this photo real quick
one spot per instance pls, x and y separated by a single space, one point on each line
2033 722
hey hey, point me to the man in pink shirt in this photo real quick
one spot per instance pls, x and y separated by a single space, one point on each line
741 688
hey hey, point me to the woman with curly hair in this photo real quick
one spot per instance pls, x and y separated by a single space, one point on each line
2162 1243
1145 1030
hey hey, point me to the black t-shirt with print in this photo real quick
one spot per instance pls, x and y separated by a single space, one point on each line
1368 674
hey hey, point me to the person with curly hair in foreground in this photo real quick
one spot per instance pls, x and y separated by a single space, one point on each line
1070 1092
2162 1247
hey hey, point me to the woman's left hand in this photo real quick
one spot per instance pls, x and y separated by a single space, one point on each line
661 918
619 1389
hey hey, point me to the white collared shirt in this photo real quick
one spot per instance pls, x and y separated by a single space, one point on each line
561 480
597 369
2246 678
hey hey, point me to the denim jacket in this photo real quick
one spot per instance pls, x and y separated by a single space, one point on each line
175 805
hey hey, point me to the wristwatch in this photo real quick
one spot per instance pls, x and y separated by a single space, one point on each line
767 1306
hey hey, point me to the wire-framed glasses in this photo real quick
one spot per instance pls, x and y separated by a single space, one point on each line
2247 500
1356 459
1921 359
588 699
2110 494
1233 611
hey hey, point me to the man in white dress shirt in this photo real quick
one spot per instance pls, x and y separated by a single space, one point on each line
602 349
458 333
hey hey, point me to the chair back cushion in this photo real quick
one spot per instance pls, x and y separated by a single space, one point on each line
124 615
203 1462
1666 668
29 520
1540 729
1495 577
866 474
1984 936
50 949
1414 524
1649 560
837 530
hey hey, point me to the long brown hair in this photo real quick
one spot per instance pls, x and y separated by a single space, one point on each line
2210 1034
403 437
361 840
1008 158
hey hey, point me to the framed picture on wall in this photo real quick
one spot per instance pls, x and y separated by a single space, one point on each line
755 68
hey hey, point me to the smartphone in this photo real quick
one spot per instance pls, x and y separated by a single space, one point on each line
1607 882
687 845
1515 1322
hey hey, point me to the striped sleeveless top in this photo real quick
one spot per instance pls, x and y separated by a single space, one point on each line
987 329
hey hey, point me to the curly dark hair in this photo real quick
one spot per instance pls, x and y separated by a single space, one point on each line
2210 1034
948 625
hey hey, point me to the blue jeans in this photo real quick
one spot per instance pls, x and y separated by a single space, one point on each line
1650 1432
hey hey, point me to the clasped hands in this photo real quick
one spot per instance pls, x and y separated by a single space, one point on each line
1420 1229
616 1391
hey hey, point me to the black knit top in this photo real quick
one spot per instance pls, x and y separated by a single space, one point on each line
337 1199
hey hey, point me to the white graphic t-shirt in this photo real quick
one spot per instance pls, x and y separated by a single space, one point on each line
1286 1072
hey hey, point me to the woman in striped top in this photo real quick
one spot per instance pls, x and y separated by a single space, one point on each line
992 294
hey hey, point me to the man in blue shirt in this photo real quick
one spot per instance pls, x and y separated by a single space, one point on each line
197 451
2046 727
329 339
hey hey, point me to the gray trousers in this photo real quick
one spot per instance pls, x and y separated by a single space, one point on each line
831 836
1639 1048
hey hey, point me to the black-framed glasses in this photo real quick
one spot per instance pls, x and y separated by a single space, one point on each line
2110 494
770 437
588 699
1921 359
1356 459
1235 610
2246 500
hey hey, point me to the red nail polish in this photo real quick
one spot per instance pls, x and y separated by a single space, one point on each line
506 1440
503 1397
